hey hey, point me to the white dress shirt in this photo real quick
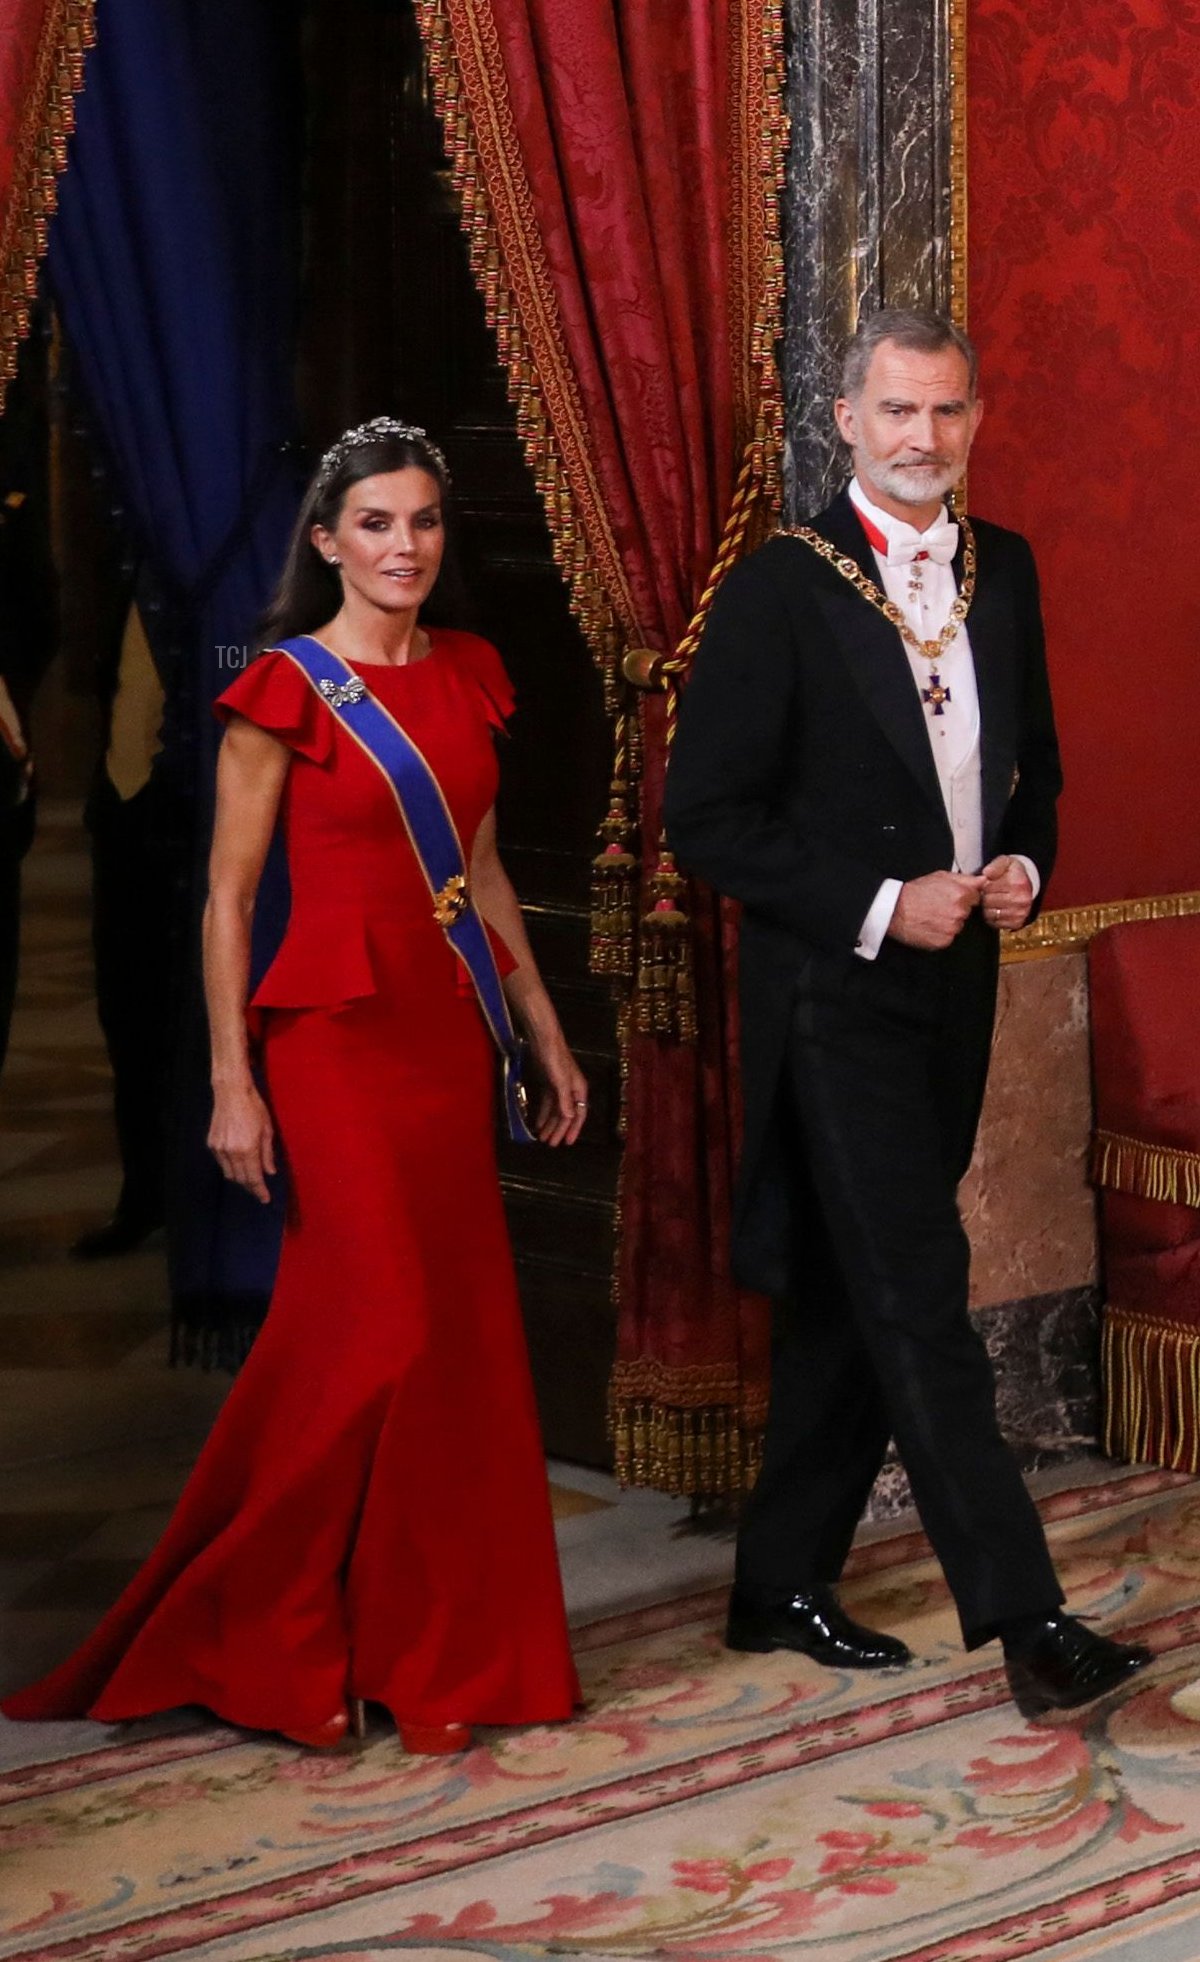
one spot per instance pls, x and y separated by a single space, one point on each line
925 592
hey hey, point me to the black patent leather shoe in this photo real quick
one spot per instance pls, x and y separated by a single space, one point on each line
813 1624
1062 1665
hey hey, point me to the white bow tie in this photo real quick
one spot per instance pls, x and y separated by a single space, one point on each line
939 543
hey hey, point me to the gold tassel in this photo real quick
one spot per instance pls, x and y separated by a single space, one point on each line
614 871
665 1003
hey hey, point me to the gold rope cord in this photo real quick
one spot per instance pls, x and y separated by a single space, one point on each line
39 155
1151 1374
1166 1173
665 994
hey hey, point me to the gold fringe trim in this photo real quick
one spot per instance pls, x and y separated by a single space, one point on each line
1059 930
1151 1376
39 155
1147 1171
706 1453
684 1430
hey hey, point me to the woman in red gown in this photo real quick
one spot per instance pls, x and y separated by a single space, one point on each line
369 1519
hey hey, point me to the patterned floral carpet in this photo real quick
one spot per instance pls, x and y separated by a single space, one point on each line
707 1805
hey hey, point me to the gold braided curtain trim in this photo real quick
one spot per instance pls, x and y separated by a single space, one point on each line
470 94
1068 927
1146 1171
957 42
1151 1373
39 154
757 167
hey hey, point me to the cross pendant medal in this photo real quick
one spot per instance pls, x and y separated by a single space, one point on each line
937 694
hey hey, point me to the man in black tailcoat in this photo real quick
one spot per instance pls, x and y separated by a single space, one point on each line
866 759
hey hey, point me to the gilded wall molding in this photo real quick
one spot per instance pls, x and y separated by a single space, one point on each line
1065 929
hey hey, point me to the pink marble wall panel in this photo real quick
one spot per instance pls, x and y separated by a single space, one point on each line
1026 1202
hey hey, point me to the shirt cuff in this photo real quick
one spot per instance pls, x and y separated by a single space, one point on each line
873 931
1035 877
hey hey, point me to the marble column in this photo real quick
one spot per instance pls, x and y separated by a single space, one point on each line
867 206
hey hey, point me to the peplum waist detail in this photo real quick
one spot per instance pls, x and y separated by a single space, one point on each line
325 958
337 953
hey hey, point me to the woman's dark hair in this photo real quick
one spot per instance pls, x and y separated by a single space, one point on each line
309 590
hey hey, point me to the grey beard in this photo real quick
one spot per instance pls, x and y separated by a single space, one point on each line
903 482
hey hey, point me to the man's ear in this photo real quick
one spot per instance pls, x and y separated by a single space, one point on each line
846 420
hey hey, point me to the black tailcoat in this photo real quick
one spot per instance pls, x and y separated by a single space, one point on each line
802 777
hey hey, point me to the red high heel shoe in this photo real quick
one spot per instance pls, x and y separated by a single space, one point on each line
330 1735
322 1737
435 1740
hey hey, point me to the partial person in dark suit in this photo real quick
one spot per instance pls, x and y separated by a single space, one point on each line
866 759
131 913
28 636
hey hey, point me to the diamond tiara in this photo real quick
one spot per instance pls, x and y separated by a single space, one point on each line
373 432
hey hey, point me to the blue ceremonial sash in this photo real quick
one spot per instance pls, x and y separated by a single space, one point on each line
435 841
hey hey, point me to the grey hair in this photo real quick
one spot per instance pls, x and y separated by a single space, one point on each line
916 328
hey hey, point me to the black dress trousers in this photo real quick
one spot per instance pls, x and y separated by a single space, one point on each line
884 1081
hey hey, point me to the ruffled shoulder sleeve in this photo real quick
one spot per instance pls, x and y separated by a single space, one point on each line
479 660
273 693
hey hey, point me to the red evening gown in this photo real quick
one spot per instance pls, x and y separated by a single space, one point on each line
370 1516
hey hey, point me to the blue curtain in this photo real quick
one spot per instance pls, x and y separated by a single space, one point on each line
173 258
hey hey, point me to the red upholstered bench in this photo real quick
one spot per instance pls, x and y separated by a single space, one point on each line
1145 997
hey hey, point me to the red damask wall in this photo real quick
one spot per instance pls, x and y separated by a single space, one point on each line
1084 296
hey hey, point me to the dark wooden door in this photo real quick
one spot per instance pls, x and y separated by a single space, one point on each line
393 324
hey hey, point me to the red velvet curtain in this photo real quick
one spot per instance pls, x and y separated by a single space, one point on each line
618 164
42 44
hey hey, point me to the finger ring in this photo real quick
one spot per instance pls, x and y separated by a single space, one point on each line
581 1103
